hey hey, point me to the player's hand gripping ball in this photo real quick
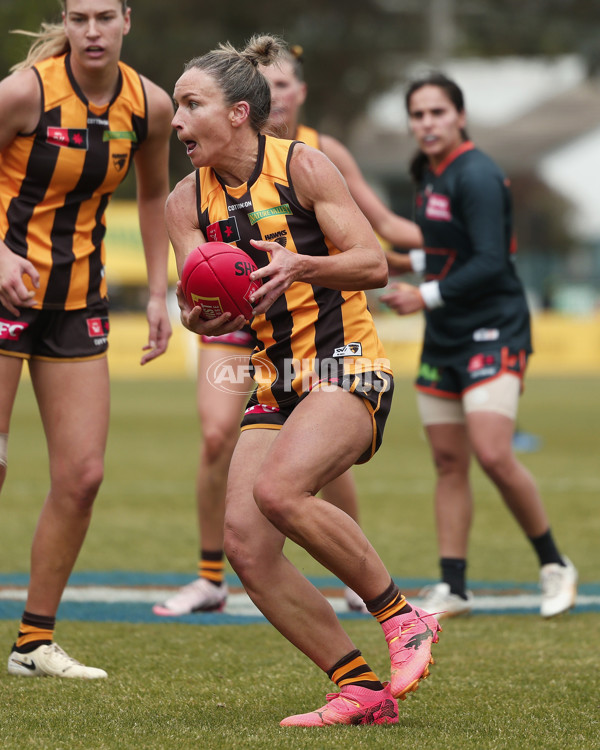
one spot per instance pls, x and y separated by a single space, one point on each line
216 278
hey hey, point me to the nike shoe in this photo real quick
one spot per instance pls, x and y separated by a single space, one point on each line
354 602
352 705
198 596
50 660
559 587
438 600
409 638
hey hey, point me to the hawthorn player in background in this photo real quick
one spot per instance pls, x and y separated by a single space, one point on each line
302 427
477 342
74 119
220 410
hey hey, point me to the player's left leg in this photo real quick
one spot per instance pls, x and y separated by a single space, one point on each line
491 426
325 434
254 547
219 410
73 398
342 493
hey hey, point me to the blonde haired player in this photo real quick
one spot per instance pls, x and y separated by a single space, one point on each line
74 119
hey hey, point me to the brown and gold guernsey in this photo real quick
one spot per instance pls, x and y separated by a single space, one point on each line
308 326
56 182
308 135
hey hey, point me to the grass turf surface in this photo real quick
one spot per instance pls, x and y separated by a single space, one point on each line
500 681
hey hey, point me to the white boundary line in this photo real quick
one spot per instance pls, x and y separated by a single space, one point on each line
240 604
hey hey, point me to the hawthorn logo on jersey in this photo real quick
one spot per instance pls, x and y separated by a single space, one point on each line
438 208
283 210
10 330
98 329
353 349
225 230
119 161
280 237
67 137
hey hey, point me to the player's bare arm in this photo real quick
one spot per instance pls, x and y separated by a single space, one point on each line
20 104
185 234
152 180
321 188
397 230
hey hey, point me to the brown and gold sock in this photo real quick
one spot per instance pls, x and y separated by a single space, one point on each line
35 630
352 669
389 604
212 566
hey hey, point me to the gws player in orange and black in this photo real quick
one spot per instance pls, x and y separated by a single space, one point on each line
303 427
477 342
74 119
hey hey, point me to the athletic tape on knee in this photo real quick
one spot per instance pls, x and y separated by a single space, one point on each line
3 449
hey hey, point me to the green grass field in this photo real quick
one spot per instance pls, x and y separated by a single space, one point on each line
503 681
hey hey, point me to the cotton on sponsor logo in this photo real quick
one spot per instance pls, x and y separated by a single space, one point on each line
10 330
438 207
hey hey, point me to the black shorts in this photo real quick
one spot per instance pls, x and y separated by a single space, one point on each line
55 334
375 387
467 370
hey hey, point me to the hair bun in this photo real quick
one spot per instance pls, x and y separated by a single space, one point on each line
297 51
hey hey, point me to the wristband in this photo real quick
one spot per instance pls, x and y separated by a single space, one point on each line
417 260
430 291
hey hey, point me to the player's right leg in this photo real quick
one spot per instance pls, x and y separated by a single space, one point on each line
76 427
10 374
444 423
223 387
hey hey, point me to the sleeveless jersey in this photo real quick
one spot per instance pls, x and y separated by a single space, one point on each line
308 324
308 135
56 182
464 210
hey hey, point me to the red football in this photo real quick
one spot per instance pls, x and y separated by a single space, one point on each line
216 278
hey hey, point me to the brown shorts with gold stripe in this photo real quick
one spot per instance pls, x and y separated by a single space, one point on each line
375 387
55 334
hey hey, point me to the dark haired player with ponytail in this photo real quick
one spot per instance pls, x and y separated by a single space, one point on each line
477 342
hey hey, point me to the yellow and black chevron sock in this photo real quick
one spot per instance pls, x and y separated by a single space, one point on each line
389 604
352 669
212 566
34 631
